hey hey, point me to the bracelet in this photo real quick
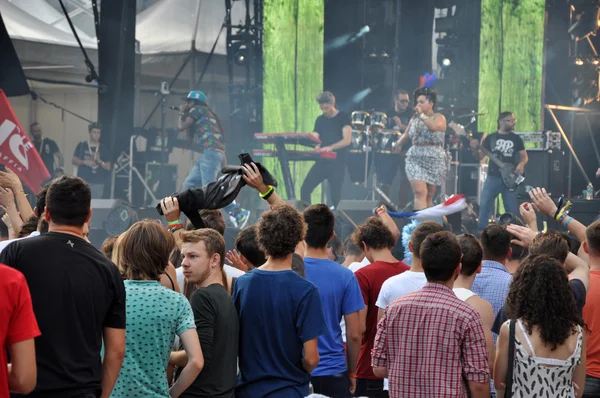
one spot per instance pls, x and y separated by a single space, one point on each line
169 223
568 221
176 228
269 192
562 217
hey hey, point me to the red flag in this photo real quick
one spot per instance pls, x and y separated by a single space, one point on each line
17 151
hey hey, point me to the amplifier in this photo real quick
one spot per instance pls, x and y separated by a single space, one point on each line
545 169
472 177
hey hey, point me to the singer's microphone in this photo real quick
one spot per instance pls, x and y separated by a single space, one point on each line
173 107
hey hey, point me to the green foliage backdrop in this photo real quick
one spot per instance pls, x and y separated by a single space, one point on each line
511 62
292 80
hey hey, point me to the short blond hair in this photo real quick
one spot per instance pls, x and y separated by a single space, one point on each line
326 97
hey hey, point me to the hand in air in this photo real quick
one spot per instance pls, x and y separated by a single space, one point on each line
528 214
234 258
525 235
542 202
170 208
7 199
8 179
253 177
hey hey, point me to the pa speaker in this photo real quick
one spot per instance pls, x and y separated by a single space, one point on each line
113 216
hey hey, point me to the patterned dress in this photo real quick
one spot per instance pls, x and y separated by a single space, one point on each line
428 162
535 376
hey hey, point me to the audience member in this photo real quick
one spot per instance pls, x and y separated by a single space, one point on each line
215 315
335 249
155 315
549 351
430 343
37 217
78 298
339 299
413 279
108 245
591 312
551 242
377 242
352 253
18 328
281 315
492 283
472 255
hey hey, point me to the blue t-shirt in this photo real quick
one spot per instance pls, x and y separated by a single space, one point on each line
279 311
340 295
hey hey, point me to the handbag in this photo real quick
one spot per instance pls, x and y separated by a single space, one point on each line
511 359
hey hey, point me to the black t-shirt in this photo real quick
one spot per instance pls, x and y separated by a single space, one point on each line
330 130
218 327
96 175
505 147
47 148
76 292
403 116
579 294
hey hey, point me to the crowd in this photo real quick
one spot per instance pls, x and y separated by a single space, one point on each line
157 312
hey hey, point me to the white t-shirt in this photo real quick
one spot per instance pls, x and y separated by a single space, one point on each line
229 270
356 266
399 285
463 294
8 242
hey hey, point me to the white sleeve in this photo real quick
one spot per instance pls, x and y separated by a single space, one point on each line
382 299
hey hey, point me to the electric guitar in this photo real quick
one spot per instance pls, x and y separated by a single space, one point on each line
510 178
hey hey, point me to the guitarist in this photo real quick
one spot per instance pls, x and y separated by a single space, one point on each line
508 147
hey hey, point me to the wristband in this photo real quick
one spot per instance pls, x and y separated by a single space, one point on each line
568 221
268 193
175 228
562 217
169 223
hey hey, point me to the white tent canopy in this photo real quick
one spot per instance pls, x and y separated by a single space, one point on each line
22 25
167 27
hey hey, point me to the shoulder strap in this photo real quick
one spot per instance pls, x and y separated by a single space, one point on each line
511 359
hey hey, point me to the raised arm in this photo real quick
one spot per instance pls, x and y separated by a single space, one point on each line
544 204
254 179
9 179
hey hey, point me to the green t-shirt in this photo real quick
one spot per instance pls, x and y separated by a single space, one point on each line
155 315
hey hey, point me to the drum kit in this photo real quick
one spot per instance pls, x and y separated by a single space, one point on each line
372 146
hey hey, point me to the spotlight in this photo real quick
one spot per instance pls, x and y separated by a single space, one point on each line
445 57
241 53
578 61
361 95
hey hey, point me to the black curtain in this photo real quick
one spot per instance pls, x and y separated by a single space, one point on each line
116 58
12 77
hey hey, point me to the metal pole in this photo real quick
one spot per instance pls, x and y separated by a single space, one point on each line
396 47
592 138
571 133
193 49
568 142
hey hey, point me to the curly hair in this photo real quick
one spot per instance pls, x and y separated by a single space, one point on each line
374 234
540 295
279 231
428 93
552 244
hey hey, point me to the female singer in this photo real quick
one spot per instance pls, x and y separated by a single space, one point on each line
426 159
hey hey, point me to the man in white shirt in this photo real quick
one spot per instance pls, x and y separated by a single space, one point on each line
412 280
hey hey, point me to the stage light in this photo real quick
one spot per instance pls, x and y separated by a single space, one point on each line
578 61
361 95
445 57
346 39
585 22
240 53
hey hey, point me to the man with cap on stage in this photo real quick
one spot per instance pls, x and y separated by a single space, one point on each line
204 128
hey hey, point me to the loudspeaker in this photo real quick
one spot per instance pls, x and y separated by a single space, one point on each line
545 169
585 211
357 210
299 205
114 216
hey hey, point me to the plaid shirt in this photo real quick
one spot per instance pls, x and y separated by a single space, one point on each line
431 342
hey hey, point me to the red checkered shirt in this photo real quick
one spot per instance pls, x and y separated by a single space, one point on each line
431 342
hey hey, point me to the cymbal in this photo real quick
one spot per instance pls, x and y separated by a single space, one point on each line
471 115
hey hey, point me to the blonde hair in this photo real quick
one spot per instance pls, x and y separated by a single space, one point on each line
117 253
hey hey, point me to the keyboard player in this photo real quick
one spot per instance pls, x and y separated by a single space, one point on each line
334 130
